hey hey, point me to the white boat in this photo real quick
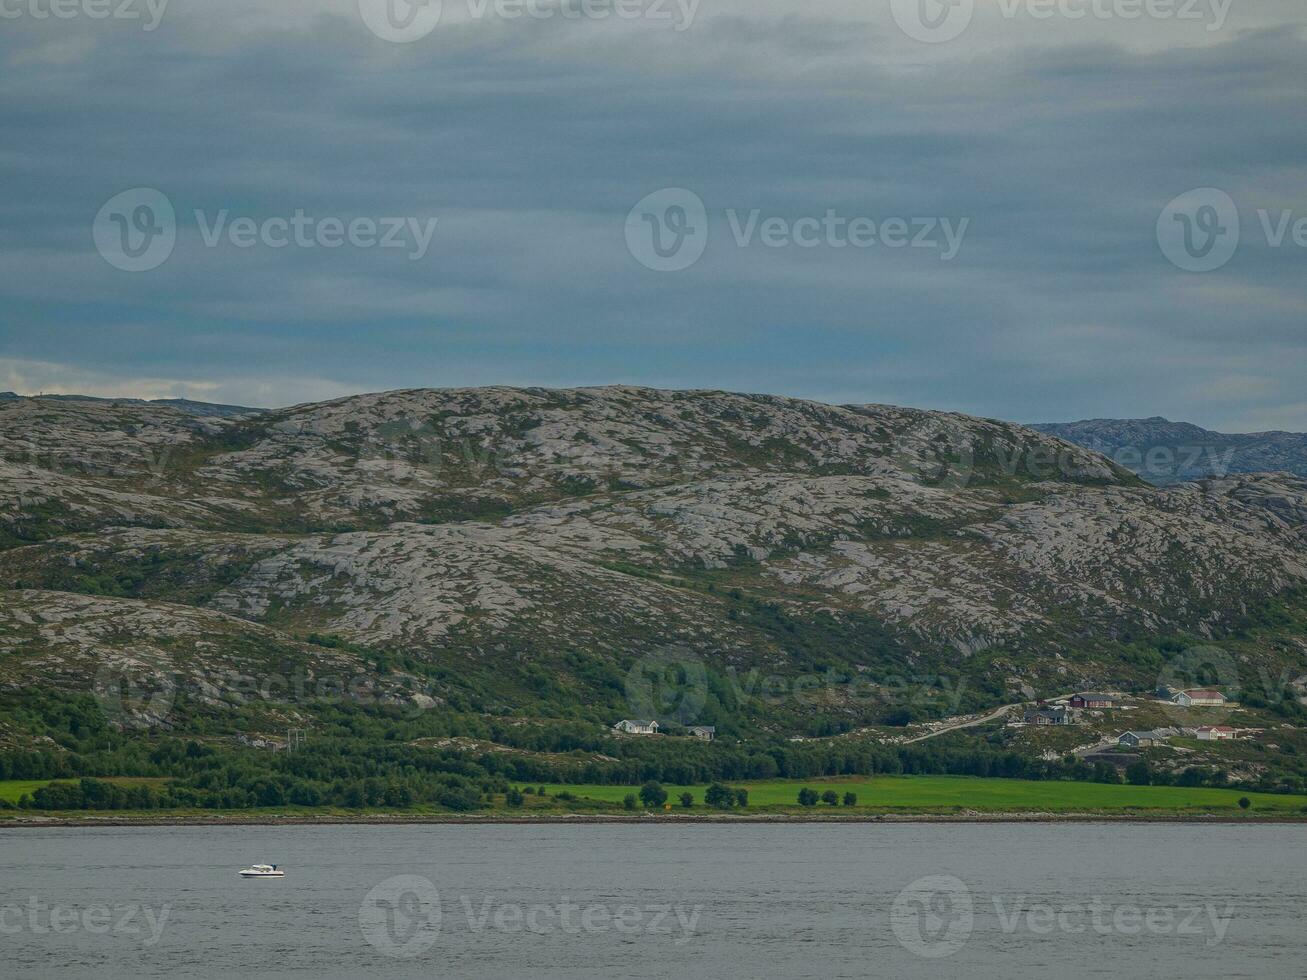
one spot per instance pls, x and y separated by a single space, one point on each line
263 871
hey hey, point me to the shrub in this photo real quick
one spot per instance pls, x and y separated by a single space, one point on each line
807 797
850 799
687 800
653 795
629 802
722 797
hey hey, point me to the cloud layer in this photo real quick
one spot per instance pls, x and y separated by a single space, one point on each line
528 140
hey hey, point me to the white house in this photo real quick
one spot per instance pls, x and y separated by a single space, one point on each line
1198 698
705 732
1214 733
1141 740
636 726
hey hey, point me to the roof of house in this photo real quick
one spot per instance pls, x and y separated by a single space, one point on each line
1214 728
642 722
1051 712
1152 735
1202 692
703 728
1095 696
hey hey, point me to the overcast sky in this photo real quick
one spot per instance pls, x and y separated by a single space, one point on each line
1050 147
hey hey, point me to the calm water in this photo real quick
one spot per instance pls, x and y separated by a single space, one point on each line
612 902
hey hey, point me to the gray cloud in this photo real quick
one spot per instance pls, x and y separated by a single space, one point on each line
1060 142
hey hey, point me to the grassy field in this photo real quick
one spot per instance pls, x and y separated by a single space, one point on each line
13 789
951 793
876 795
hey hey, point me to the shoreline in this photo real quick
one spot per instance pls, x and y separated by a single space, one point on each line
639 819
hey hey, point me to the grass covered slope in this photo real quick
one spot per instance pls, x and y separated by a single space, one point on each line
447 590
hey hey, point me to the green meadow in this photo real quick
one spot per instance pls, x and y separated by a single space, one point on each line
875 795
12 790
939 794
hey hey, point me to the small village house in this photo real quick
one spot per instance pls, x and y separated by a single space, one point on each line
705 732
637 726
1140 740
1050 715
1214 733
1198 698
1092 699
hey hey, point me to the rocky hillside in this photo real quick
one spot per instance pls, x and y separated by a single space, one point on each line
1166 453
520 548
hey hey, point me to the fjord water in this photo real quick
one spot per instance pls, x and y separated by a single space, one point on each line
725 902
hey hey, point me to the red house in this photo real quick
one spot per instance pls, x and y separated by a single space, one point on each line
1091 700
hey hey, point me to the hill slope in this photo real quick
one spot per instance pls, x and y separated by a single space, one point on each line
517 550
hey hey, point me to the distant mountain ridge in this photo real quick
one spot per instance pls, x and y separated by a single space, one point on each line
1165 452
190 407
